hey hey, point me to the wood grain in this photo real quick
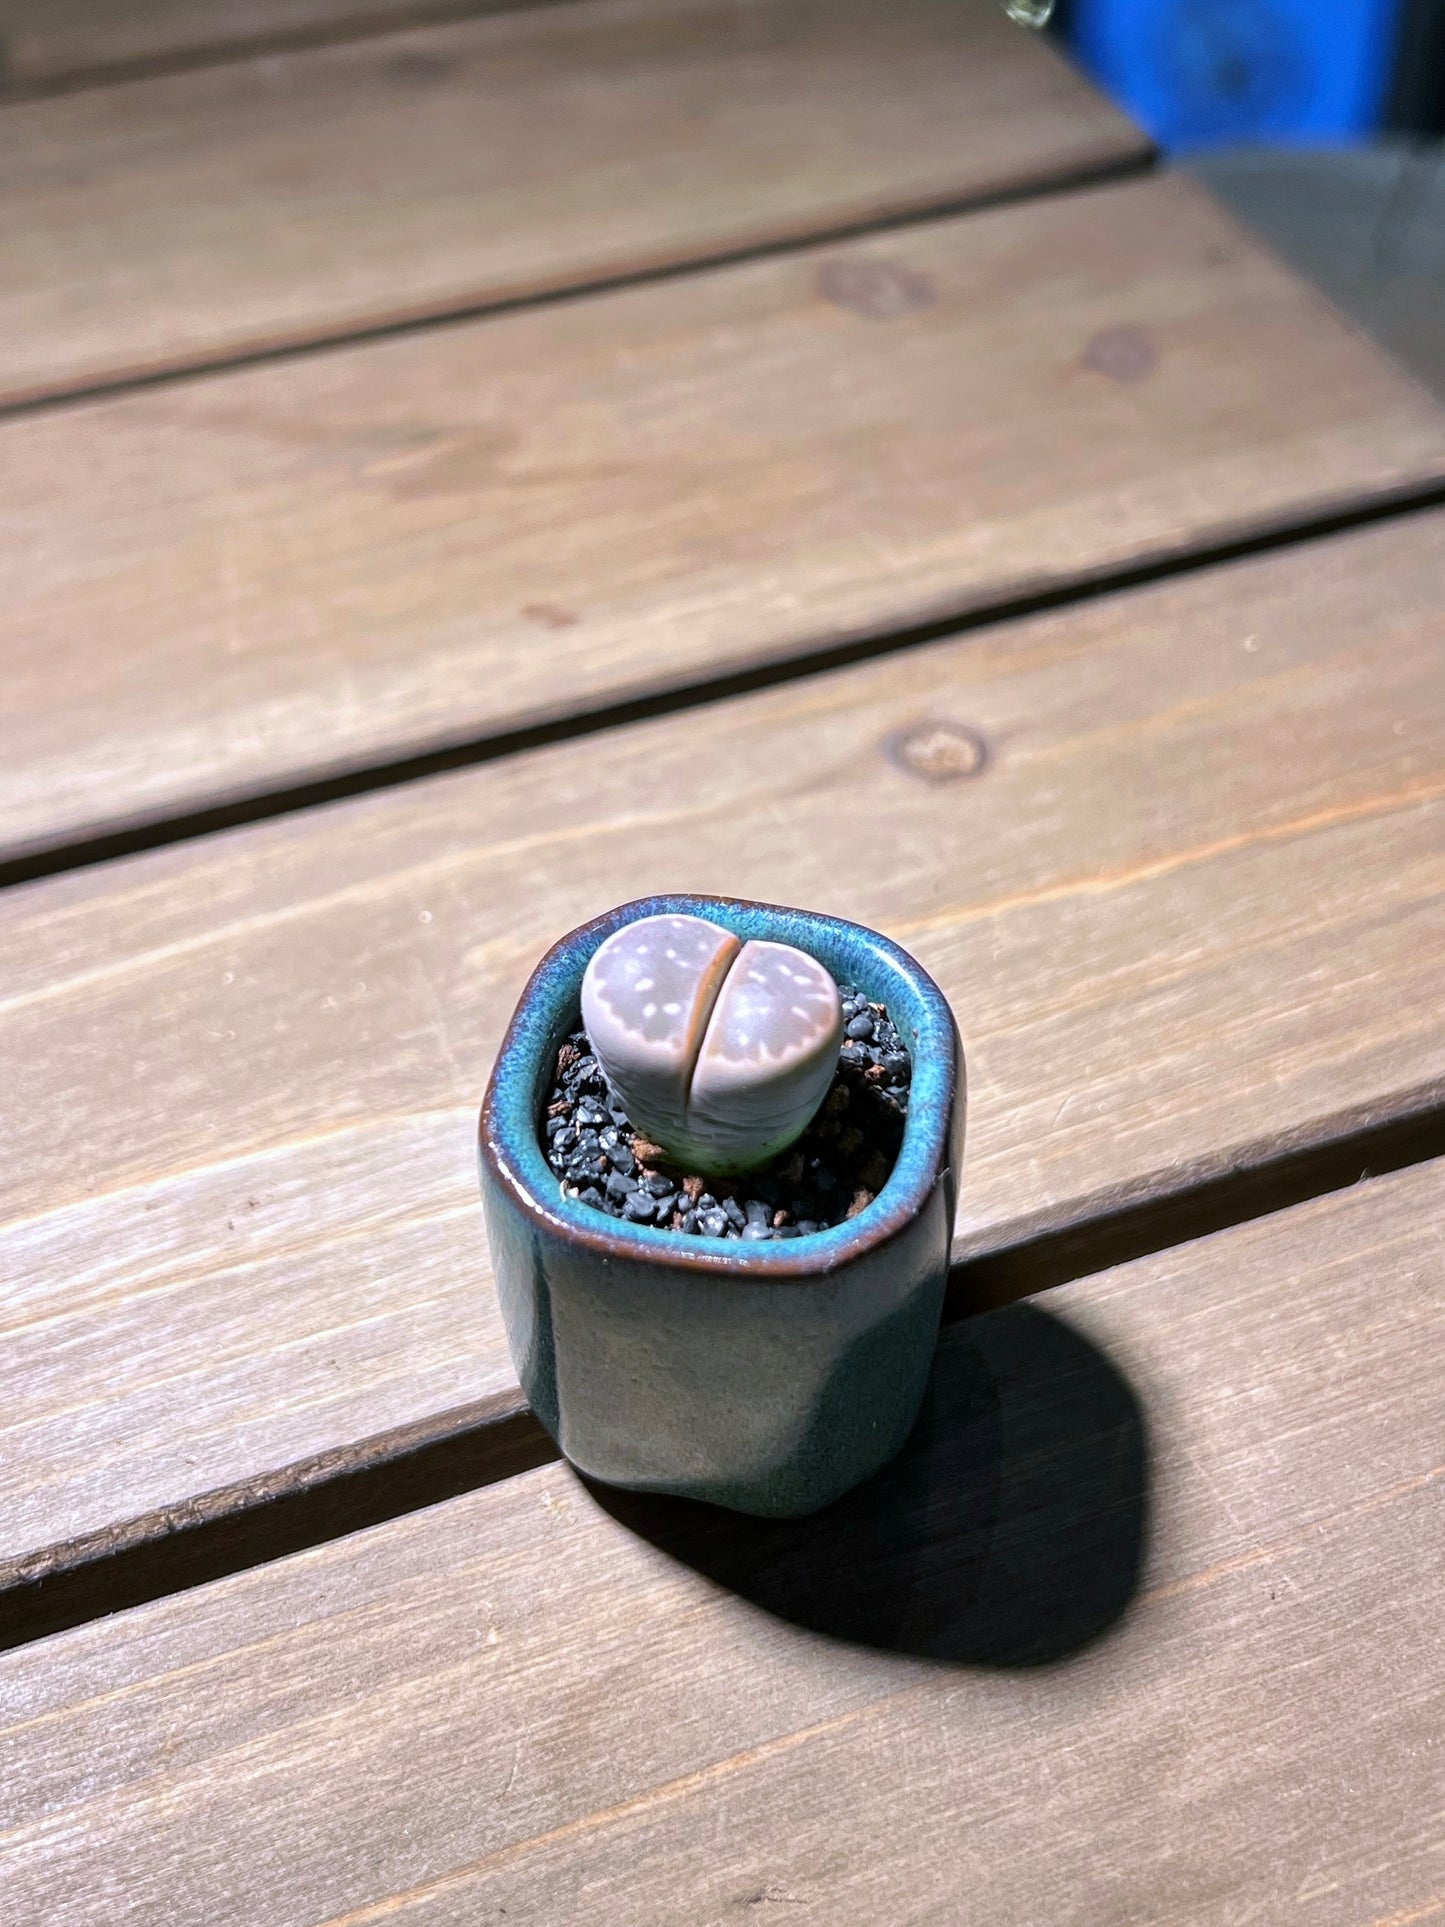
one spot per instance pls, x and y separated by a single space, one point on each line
180 220
1190 913
528 1704
305 568
49 43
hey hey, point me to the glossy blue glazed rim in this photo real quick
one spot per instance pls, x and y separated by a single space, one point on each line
550 1008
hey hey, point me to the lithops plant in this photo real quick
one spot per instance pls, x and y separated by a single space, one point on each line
720 1051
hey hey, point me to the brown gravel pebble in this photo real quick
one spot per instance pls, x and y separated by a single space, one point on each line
875 1172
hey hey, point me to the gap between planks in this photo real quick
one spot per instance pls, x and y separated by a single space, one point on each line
339 1493
38 77
263 805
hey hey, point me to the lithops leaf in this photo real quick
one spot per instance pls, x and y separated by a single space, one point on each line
767 1057
646 997
718 1050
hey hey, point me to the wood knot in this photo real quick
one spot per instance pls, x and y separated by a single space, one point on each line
937 752
877 290
550 615
1123 354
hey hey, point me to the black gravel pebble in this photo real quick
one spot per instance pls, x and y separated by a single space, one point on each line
834 1170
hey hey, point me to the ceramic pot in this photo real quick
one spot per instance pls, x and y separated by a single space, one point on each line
767 1377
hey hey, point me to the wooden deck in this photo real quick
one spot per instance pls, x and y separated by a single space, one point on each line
385 180
1122 1636
457 474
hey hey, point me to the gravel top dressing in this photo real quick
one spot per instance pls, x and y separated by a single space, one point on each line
836 1168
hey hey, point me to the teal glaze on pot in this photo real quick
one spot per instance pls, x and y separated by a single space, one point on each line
768 1377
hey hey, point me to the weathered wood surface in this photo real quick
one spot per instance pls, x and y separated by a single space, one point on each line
303 568
175 221
1145 1626
48 43
1188 912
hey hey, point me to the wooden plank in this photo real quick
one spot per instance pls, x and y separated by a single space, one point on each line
49 43
1188 912
183 219
955 1696
304 568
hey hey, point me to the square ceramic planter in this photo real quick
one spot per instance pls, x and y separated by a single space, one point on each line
768 1377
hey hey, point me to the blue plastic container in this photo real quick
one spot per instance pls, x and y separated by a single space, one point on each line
1201 73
